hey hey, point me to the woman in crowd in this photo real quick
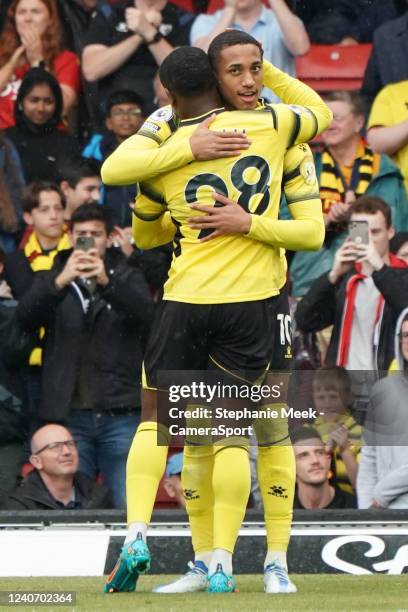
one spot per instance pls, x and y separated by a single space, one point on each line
32 37
11 190
37 117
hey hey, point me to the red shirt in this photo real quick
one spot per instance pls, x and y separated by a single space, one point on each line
66 70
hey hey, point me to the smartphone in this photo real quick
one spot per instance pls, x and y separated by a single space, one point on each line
85 243
358 231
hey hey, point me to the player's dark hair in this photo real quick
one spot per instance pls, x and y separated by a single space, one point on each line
370 205
186 71
31 196
92 212
230 38
124 96
299 434
78 169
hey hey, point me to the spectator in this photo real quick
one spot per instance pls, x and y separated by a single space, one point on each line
332 399
126 43
361 296
313 488
399 246
382 480
43 206
32 37
388 59
38 115
11 408
55 483
11 191
347 169
124 117
374 14
93 346
80 183
281 33
330 22
172 482
388 124
76 17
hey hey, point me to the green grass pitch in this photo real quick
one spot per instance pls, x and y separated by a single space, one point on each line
328 593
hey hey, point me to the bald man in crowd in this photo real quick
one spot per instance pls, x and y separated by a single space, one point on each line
55 483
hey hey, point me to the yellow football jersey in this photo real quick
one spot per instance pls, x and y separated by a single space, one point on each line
233 268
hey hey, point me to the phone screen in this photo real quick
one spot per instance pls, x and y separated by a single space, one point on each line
85 243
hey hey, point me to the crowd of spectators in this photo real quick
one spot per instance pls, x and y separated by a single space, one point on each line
77 77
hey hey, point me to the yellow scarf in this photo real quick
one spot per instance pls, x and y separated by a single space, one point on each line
42 261
333 183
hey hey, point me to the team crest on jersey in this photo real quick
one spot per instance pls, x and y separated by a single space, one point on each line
162 114
300 110
308 171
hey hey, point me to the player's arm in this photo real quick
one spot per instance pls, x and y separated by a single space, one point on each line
151 223
305 231
141 157
293 92
148 154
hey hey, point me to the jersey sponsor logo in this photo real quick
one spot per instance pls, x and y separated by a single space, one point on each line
162 114
308 171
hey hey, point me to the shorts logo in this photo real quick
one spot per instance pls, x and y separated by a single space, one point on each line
190 494
277 491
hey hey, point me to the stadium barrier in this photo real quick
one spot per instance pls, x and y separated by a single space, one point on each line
86 543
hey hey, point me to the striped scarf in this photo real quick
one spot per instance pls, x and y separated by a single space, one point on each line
41 261
333 185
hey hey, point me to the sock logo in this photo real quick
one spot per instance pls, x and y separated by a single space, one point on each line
277 491
190 494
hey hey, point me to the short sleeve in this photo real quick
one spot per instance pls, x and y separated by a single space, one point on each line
160 125
380 112
202 26
99 31
67 70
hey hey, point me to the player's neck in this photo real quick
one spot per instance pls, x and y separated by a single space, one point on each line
344 153
187 109
313 497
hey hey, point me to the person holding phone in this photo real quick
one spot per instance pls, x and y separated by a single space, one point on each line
362 295
93 346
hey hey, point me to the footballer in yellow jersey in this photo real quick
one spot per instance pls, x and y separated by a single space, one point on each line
224 316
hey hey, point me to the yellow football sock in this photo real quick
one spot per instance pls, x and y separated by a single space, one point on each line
277 477
196 478
145 466
231 485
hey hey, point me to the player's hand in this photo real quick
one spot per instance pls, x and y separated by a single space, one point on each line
207 144
122 237
344 260
230 218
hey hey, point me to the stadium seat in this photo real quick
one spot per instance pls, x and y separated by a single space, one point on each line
333 67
